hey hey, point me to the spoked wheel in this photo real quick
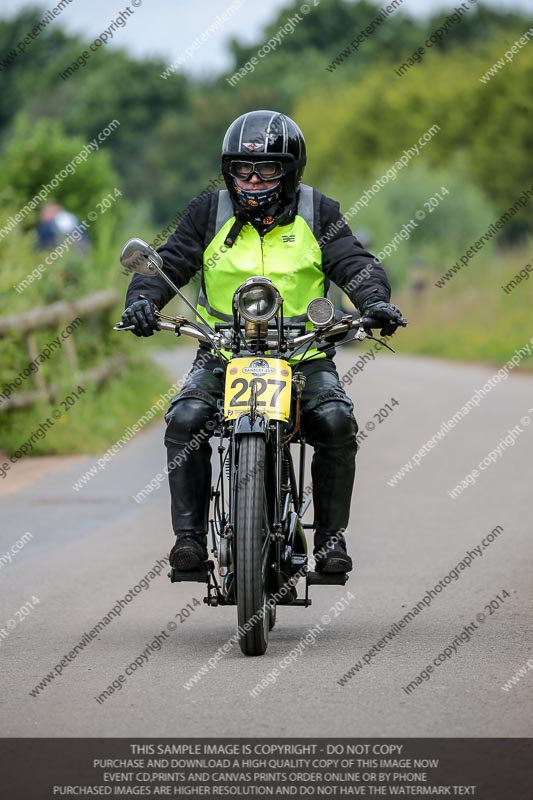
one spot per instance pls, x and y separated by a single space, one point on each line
252 540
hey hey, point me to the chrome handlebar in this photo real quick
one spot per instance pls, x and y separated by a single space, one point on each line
343 326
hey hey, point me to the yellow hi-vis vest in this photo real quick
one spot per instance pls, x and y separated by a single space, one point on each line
290 256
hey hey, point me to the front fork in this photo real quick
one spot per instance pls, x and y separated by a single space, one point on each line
286 489
256 424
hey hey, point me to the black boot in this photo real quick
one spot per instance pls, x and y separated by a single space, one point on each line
331 429
189 552
189 477
330 553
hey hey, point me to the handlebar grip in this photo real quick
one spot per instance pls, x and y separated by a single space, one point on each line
371 322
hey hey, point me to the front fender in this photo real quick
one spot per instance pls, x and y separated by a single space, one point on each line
244 425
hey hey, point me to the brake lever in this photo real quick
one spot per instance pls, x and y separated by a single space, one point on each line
177 321
375 339
367 323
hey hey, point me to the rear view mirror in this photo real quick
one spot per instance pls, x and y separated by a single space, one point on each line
138 256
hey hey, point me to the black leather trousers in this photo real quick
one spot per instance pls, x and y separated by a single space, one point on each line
328 425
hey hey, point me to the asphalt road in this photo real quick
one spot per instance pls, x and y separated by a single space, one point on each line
89 548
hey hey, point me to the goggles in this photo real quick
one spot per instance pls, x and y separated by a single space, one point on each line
266 170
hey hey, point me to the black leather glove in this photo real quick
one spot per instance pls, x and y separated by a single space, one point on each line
141 314
386 314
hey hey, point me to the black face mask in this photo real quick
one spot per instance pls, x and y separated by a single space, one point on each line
268 208
258 203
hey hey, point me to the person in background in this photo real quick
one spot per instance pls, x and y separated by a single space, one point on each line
55 224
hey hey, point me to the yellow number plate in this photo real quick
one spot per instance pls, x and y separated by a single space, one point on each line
272 378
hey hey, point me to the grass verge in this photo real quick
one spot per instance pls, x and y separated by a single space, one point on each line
472 318
95 420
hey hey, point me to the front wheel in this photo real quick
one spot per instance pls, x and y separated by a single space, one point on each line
252 541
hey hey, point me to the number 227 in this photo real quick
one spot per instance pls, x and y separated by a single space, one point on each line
261 388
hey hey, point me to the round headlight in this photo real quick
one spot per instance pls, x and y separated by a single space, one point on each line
258 300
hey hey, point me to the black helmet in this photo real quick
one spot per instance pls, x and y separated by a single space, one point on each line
265 136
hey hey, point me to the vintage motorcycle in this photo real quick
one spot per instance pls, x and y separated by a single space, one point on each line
258 503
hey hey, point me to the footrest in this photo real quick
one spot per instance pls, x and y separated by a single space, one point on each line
326 578
195 575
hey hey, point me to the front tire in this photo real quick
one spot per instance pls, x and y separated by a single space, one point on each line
252 545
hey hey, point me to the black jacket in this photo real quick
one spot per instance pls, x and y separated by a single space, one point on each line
344 259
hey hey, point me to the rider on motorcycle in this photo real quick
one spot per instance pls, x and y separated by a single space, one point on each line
265 223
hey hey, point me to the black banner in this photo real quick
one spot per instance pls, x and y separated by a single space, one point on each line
486 769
